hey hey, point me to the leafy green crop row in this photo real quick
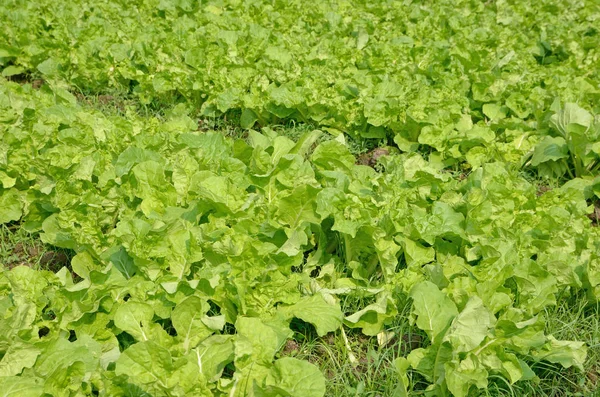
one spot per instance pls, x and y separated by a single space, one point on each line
469 78
195 252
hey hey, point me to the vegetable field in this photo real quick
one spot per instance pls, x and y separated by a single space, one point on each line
299 199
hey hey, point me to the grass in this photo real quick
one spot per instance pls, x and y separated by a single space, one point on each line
363 367
355 364
19 248
574 318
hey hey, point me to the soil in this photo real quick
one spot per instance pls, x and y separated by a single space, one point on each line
26 79
37 83
542 189
371 158
593 377
595 215
31 255
291 347
104 100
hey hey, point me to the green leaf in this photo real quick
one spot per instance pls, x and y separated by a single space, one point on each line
10 206
265 339
132 156
565 353
65 364
416 254
461 376
316 311
248 119
431 362
12 70
571 119
18 357
373 317
306 141
401 366
434 310
470 327
550 149
295 378
362 40
123 262
7 181
135 318
49 67
213 354
189 319
146 364
332 155
494 111
17 386
298 206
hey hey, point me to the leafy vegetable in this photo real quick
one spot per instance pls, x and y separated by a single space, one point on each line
197 257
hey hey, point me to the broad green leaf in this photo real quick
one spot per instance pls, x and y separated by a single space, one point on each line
571 119
431 362
213 354
132 156
7 181
470 327
401 366
416 254
189 321
496 359
373 317
331 155
135 318
566 353
434 310
18 357
17 386
248 119
306 141
11 207
550 149
65 378
460 376
298 207
316 311
12 70
264 339
123 262
146 364
494 111
219 190
295 378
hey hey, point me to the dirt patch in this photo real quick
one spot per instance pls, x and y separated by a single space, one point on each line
102 100
372 158
593 378
106 99
542 189
26 79
37 83
291 347
410 342
19 78
33 253
24 255
595 215
52 259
